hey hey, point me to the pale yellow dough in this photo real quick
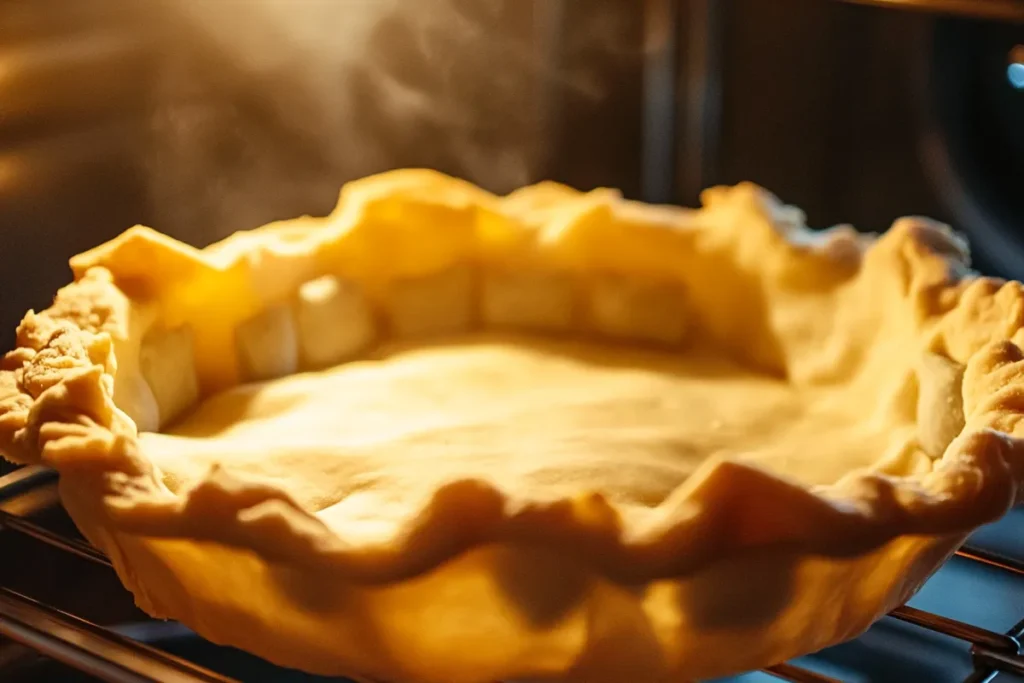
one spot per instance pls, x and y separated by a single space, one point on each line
441 436
540 418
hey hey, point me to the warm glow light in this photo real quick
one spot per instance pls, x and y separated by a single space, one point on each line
366 70
12 169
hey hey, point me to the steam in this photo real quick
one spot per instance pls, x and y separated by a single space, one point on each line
264 107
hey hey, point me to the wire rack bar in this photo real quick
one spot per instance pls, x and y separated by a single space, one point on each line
90 648
1009 564
981 676
797 674
999 661
14 482
69 545
957 629
987 659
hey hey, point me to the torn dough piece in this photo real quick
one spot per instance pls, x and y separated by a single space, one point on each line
167 363
268 344
638 309
940 403
334 321
432 305
530 300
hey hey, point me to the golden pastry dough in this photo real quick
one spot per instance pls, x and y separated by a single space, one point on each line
444 436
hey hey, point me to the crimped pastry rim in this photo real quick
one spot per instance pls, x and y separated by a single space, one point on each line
974 482
725 510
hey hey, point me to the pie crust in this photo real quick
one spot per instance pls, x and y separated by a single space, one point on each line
590 336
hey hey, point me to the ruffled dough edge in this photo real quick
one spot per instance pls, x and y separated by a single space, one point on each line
58 405
68 390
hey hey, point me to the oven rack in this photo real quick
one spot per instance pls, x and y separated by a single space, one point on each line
116 658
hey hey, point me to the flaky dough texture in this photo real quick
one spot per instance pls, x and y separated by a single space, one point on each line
737 569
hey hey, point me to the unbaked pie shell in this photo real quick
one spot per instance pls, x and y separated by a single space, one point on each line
736 569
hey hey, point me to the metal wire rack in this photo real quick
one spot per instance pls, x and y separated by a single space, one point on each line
114 657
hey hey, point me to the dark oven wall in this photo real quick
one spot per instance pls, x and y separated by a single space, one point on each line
821 105
860 114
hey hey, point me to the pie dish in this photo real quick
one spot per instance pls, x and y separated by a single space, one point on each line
445 436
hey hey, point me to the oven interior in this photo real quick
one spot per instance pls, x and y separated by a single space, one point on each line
177 115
